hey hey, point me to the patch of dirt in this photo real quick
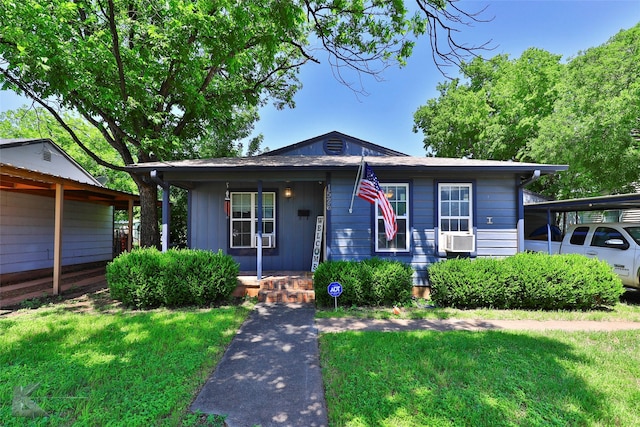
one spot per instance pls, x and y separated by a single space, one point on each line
89 299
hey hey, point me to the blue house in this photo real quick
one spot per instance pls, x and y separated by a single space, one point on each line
288 209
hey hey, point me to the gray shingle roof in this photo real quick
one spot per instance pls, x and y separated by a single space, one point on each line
338 162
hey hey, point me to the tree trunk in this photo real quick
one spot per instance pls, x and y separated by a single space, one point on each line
149 230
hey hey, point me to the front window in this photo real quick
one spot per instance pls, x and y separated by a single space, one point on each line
603 234
634 232
398 196
244 220
455 211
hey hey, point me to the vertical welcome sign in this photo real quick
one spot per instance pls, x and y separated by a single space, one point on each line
317 243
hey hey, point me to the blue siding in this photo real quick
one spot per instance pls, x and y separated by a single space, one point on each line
27 225
294 234
349 235
495 197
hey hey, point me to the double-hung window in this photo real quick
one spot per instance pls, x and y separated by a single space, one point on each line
398 196
244 220
455 210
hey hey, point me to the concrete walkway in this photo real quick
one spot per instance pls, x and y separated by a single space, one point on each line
270 374
354 324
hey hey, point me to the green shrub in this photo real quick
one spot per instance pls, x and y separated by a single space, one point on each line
535 281
372 282
147 278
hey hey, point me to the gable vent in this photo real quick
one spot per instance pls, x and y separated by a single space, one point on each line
46 155
334 146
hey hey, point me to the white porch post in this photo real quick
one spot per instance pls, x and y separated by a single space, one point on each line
130 225
57 238
166 215
259 233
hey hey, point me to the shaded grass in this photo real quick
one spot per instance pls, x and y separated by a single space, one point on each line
627 310
118 368
490 378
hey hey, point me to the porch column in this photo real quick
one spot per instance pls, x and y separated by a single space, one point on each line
166 218
549 231
130 225
57 238
520 221
259 233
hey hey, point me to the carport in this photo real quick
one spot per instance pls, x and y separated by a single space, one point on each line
22 180
535 211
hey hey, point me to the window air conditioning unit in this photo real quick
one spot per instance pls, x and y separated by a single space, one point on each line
267 241
459 242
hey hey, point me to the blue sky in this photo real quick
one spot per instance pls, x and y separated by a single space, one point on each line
385 116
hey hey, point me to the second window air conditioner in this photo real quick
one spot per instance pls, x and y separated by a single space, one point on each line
459 242
267 241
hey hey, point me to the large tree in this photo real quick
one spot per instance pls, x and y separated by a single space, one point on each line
595 125
584 113
493 110
150 75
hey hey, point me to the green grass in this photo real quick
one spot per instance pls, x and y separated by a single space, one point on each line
104 365
115 367
427 378
627 311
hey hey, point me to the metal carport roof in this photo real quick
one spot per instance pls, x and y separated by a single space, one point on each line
601 203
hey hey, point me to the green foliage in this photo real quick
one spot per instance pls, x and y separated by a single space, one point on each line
534 108
535 281
147 278
495 112
372 282
595 126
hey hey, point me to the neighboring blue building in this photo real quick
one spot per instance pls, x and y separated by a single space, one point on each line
444 207
53 215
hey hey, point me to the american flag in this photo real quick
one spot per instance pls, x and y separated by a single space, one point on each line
369 190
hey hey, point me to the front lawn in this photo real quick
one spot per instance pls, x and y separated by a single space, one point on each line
627 310
491 378
118 367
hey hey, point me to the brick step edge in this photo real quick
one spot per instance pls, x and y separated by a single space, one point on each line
303 285
298 296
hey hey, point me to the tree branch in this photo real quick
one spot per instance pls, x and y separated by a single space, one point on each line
116 50
60 120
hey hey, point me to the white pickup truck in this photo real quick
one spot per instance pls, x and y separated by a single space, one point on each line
616 243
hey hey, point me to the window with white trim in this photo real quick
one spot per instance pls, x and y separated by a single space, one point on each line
398 196
244 220
455 210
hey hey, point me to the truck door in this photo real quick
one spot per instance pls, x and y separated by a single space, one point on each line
608 244
576 242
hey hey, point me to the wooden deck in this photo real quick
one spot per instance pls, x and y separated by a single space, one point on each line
72 283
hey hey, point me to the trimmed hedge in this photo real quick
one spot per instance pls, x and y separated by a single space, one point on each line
372 282
148 278
536 281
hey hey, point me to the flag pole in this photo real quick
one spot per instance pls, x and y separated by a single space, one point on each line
355 184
